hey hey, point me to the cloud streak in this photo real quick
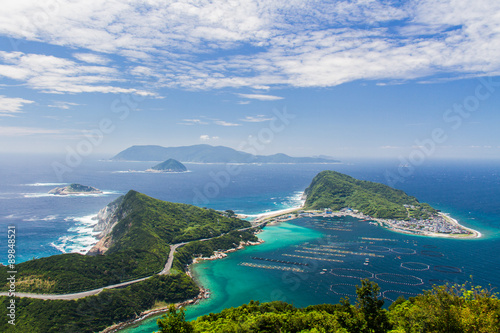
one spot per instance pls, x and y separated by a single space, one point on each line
261 97
10 106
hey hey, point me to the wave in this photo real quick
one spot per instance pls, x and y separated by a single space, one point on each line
47 218
42 195
81 238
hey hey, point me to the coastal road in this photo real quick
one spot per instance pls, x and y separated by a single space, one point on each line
75 295
170 259
165 271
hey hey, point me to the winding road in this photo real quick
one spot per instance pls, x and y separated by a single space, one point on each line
165 271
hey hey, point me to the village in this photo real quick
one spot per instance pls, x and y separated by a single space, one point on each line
437 225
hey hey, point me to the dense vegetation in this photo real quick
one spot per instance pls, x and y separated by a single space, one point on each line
139 247
330 189
170 165
184 255
73 272
94 313
443 309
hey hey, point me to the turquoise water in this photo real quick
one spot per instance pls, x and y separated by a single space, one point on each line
469 191
232 284
336 252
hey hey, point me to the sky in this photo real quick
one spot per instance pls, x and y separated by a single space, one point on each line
347 79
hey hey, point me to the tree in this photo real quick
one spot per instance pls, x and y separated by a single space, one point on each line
174 322
371 307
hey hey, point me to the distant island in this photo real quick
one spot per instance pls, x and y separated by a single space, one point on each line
335 194
169 165
75 189
208 154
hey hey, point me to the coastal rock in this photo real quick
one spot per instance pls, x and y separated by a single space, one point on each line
75 189
107 218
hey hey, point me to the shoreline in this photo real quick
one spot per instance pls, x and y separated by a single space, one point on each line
203 294
264 217
384 223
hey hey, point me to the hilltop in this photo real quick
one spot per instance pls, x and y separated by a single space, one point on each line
136 234
208 154
334 190
169 165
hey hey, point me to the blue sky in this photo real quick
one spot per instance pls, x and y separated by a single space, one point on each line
359 78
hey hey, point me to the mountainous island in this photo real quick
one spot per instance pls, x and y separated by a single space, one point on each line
75 189
208 154
137 235
390 207
169 165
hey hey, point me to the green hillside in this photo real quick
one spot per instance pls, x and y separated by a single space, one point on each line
138 247
330 189
170 165
458 308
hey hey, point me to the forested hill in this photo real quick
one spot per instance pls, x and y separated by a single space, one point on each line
331 189
137 246
146 223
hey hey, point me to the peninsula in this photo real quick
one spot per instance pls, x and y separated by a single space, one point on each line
134 267
75 189
335 194
169 165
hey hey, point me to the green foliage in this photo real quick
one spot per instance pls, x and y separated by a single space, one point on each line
73 272
174 322
184 255
268 317
443 309
170 165
139 247
330 189
371 307
457 308
94 313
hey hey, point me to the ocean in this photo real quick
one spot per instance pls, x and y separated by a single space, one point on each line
326 256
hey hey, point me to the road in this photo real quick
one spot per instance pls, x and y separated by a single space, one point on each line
165 271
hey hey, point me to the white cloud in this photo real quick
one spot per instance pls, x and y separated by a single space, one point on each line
63 105
261 97
57 75
193 122
206 137
9 105
225 123
300 44
26 131
256 119
91 58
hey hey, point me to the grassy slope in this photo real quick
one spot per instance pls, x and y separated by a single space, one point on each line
140 246
330 189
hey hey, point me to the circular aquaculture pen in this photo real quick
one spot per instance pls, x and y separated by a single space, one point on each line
344 289
398 292
447 269
415 266
400 250
407 280
377 248
430 253
352 273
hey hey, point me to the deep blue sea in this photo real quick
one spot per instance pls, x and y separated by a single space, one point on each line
401 264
